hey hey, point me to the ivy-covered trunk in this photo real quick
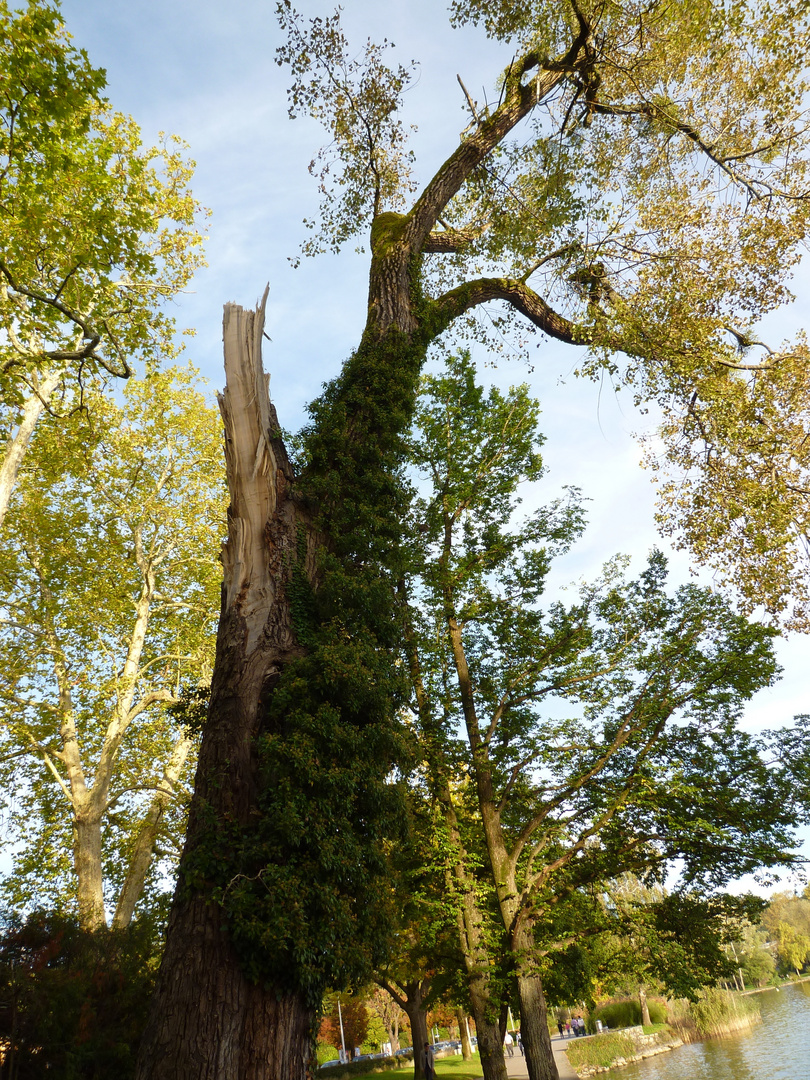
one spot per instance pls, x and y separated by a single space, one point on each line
279 892
279 883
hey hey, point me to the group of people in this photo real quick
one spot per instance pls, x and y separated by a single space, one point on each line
429 1064
574 1026
509 1044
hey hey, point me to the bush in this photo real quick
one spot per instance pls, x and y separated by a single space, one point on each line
76 1001
627 1013
325 1052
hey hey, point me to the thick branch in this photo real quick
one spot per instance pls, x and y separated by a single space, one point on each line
448 241
91 336
147 837
18 445
517 293
519 100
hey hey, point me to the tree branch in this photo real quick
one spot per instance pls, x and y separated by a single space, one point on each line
92 337
519 99
517 293
448 241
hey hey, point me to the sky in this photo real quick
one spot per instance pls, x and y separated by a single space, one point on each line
205 70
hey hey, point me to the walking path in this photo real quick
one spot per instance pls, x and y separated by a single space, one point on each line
516 1065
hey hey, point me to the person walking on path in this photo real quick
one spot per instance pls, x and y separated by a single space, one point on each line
508 1043
428 1066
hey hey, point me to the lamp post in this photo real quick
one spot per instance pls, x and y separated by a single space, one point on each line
343 1057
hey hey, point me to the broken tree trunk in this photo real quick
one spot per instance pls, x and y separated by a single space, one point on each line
209 1021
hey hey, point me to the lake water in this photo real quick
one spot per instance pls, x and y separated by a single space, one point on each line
776 1049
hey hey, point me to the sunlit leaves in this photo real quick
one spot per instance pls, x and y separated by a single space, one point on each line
96 230
606 728
114 532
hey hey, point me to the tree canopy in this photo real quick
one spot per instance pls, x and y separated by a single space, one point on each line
634 184
96 230
110 583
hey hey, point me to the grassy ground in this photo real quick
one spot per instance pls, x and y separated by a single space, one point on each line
600 1051
448 1068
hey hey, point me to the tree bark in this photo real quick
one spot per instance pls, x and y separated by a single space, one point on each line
534 1033
17 446
490 1044
645 1008
464 1035
410 996
392 1030
208 1021
144 849
87 867
413 1004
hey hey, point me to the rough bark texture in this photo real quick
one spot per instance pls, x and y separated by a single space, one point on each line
208 1021
534 1033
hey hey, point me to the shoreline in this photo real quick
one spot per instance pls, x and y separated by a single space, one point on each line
764 989
646 1046
652 1045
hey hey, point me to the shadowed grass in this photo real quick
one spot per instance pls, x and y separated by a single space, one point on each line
449 1068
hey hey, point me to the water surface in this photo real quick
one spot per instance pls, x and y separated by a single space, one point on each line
776 1049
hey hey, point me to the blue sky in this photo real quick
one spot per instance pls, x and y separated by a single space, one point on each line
205 70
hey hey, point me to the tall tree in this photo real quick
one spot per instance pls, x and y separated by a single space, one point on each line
96 231
109 597
680 942
602 737
656 194
787 920
389 1013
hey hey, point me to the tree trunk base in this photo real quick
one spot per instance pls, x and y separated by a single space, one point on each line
210 1023
534 1033
490 1047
